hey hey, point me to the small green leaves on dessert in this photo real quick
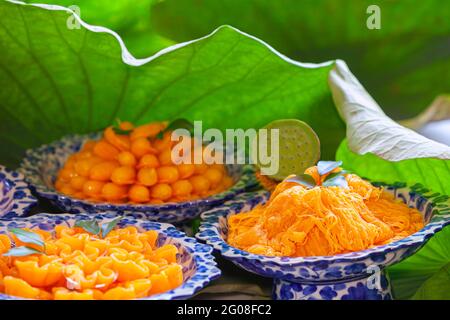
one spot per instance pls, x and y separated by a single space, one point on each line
303 179
334 179
93 227
27 236
324 167
21 252
177 124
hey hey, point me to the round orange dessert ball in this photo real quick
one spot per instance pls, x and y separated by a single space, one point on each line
67 174
200 168
214 176
102 171
138 193
200 184
83 167
186 170
182 188
147 176
105 150
123 175
149 160
162 144
114 192
141 147
77 182
167 174
126 158
67 189
161 191
92 188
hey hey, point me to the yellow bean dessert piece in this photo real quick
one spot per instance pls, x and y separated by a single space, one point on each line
83 167
147 176
214 176
138 193
92 188
167 174
123 175
186 170
88 145
200 184
200 168
102 171
163 144
146 130
121 142
77 182
182 188
105 150
67 174
141 147
114 192
126 125
165 157
67 189
148 160
161 191
126 158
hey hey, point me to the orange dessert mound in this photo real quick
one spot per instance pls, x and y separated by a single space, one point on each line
298 221
76 265
134 165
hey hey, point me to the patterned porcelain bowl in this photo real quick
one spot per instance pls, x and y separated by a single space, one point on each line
15 196
41 165
199 267
355 275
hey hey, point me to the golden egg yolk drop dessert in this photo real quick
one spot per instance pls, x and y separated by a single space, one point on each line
133 164
76 265
298 221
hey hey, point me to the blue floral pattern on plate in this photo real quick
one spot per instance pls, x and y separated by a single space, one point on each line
350 270
15 195
41 165
199 266
350 290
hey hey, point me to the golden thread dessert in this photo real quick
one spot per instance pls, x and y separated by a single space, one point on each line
322 220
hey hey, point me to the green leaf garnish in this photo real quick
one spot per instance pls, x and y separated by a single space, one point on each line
120 131
177 124
90 226
93 227
337 181
324 167
303 179
21 252
107 227
27 236
335 174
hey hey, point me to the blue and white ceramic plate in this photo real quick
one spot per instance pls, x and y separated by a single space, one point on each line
15 196
199 266
41 165
328 277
